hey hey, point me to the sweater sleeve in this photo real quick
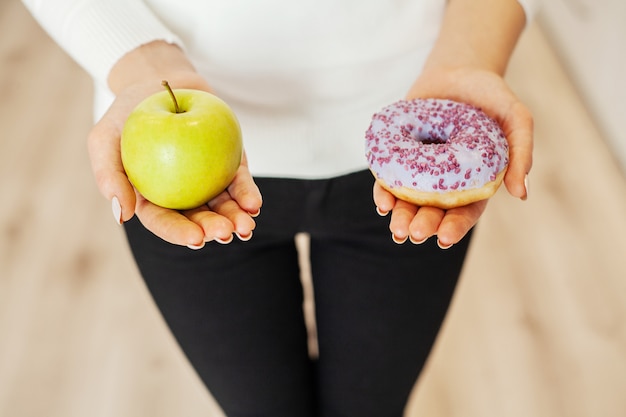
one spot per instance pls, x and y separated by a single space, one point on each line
97 33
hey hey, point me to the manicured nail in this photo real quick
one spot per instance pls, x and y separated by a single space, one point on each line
116 207
244 238
255 214
444 246
398 240
224 241
196 247
381 213
527 187
417 242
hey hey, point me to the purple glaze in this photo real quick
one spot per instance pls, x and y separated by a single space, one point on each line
435 145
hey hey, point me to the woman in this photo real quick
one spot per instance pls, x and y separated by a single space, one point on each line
304 79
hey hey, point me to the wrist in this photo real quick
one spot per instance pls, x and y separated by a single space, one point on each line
449 82
150 64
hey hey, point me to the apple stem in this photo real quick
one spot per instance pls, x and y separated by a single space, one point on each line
165 84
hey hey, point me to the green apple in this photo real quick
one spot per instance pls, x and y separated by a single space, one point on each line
181 148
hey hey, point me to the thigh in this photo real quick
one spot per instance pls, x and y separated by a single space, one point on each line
378 315
379 307
236 311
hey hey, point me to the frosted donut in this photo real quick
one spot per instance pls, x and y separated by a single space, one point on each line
434 152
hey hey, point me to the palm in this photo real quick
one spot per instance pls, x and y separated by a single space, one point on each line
488 91
226 214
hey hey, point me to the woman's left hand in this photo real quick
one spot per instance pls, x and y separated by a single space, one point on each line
489 91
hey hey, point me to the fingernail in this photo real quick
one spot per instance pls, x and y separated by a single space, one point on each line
398 240
116 207
255 214
527 187
244 238
196 247
444 246
381 213
224 241
417 242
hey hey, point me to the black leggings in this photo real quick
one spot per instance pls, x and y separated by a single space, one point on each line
236 309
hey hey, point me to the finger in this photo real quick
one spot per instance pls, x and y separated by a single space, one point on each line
458 221
169 225
242 221
518 128
244 190
383 199
214 225
425 223
401 217
104 152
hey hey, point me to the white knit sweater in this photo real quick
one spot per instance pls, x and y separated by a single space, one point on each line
304 77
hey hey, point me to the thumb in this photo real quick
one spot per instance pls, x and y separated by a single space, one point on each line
518 127
106 162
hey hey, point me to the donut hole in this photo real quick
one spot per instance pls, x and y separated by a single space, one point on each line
427 134
429 140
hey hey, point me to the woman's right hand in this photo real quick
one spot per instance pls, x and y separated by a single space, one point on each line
229 213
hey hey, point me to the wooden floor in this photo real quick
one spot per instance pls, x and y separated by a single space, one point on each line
537 328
